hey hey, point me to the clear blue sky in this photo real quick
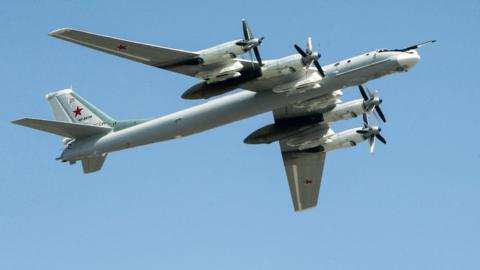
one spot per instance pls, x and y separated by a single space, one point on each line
211 202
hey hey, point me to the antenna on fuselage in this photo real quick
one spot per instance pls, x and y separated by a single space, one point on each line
414 47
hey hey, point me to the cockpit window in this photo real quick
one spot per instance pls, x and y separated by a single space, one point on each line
382 50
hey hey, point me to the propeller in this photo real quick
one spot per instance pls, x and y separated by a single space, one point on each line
249 42
414 47
371 133
309 57
372 101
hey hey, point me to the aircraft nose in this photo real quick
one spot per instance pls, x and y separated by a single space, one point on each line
408 59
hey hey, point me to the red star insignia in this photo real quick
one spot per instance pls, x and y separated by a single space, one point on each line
307 181
78 111
121 47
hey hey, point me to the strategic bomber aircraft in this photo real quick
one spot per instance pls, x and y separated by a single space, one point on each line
303 95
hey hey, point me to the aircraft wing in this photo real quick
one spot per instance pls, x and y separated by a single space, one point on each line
304 168
304 171
175 60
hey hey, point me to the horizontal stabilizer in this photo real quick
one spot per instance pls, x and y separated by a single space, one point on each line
64 129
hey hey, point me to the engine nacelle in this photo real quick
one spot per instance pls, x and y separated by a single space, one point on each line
215 57
298 127
310 138
222 73
297 87
206 89
321 102
345 111
344 139
220 53
329 142
283 66
67 141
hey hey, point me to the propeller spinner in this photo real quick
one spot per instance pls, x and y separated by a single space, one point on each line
371 133
309 57
250 42
372 101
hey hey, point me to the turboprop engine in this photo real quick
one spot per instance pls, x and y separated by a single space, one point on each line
294 126
332 141
345 111
290 127
232 49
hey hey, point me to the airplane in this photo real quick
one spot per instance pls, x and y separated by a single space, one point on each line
303 96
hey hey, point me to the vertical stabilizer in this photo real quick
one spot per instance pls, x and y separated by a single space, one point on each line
69 107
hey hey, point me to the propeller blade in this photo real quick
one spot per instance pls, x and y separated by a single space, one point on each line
365 119
371 141
381 138
257 55
251 56
361 131
248 40
362 91
299 50
320 70
246 30
309 46
376 116
380 113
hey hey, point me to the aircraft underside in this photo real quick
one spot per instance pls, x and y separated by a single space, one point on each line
303 95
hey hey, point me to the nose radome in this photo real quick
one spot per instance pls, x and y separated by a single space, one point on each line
408 59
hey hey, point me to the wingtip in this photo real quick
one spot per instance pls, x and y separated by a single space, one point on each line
17 121
304 209
59 32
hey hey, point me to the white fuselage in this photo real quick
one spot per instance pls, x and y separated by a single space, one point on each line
240 105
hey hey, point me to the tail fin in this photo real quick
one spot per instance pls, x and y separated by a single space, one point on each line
75 119
69 107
